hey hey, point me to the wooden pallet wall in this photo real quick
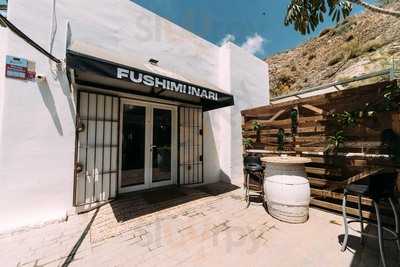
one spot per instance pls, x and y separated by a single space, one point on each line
329 172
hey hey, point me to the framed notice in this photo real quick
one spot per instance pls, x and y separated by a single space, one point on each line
20 68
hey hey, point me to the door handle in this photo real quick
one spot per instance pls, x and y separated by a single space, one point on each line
152 148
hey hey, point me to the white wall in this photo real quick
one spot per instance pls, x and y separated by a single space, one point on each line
37 144
3 45
250 86
246 76
37 137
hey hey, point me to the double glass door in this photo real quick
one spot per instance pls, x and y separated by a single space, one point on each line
148 145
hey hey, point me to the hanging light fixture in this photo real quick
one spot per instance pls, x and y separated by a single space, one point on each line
153 61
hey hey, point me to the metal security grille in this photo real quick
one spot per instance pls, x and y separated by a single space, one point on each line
96 149
190 145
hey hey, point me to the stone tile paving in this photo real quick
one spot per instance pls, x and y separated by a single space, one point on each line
199 228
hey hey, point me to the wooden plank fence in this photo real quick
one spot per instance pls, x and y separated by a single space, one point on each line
360 155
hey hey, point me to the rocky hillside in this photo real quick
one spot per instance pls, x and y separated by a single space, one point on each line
360 44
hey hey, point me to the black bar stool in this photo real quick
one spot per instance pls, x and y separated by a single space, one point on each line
254 171
380 187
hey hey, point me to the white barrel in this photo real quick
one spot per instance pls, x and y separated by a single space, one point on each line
287 191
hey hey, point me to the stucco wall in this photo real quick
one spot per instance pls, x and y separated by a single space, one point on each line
37 144
250 86
3 44
38 135
246 77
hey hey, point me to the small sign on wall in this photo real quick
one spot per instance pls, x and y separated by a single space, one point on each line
20 68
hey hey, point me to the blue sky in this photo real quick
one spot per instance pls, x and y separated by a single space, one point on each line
238 20
3 2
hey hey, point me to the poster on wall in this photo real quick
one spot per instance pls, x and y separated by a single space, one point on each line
20 68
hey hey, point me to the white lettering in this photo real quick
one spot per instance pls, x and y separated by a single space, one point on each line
159 82
204 94
148 80
196 91
137 79
122 73
212 95
176 87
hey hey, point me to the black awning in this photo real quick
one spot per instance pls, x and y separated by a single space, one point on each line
98 72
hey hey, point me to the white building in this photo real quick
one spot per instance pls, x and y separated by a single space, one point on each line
111 120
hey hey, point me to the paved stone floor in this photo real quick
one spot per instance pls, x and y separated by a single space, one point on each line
206 226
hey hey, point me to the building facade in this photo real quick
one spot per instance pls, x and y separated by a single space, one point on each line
138 103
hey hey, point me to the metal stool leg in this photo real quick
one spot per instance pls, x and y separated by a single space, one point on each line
262 190
361 219
380 233
396 220
248 189
346 226
245 184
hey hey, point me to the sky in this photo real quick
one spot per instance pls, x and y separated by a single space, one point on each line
3 2
256 25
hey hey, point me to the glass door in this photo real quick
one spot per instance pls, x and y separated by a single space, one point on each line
133 150
161 147
148 146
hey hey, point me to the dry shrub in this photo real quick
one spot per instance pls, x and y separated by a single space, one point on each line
286 77
327 31
336 59
373 45
349 37
284 82
280 89
345 26
311 57
352 49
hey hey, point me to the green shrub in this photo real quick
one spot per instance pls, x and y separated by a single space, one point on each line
248 143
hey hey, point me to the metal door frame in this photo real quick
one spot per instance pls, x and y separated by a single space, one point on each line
148 140
178 179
